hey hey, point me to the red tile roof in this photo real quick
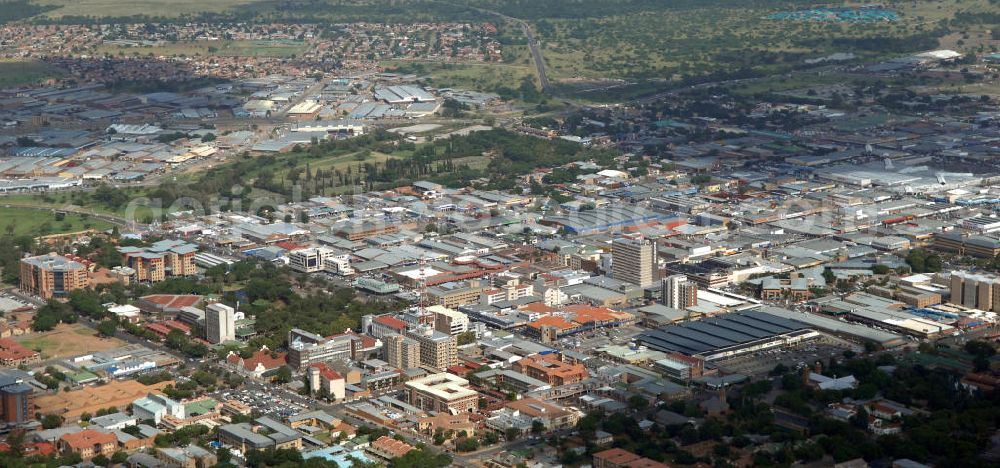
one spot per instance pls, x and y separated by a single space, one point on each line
88 438
326 372
392 446
260 357
10 349
391 322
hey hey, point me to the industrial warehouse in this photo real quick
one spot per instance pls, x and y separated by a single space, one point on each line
729 335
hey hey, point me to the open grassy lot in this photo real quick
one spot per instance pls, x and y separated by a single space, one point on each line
25 221
24 72
221 48
67 340
685 40
486 77
161 8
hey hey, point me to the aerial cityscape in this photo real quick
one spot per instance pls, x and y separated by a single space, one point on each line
499 233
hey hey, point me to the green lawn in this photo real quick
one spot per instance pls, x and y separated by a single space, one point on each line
25 221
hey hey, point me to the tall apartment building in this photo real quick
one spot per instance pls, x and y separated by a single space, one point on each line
975 291
437 350
449 321
220 323
402 352
51 275
17 403
679 292
160 260
634 260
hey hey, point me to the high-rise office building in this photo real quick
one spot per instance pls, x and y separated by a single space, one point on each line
679 292
220 323
634 260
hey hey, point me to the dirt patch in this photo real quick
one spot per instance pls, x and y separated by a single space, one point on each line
67 340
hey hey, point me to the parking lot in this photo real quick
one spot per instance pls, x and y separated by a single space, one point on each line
264 402
805 354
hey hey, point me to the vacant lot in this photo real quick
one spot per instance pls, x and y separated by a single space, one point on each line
25 221
24 72
67 340
221 48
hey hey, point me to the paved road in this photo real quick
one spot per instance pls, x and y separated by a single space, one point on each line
536 54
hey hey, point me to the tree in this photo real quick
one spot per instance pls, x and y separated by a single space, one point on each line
512 433
223 455
421 458
466 338
284 375
537 427
120 457
100 460
638 402
51 421
467 444
107 328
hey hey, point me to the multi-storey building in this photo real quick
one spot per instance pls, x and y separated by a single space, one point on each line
976 246
323 378
316 259
305 348
220 323
449 321
634 260
52 275
550 368
442 393
679 292
975 291
437 350
88 443
17 403
402 352
160 260
455 294
383 325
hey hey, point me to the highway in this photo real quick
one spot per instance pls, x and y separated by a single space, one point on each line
536 54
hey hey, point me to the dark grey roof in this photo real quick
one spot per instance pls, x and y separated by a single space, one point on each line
718 332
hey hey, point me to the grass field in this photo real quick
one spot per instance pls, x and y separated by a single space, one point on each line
221 48
67 340
24 72
671 43
27 221
487 77
163 8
